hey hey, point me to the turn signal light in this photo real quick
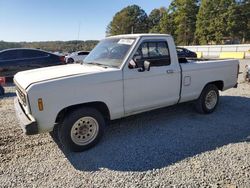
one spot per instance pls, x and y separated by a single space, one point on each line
62 59
40 104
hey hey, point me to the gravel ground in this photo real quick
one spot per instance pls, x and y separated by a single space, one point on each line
173 146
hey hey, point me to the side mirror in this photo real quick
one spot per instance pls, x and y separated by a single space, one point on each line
132 64
146 66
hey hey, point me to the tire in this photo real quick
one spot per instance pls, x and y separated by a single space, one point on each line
70 60
81 129
208 100
1 91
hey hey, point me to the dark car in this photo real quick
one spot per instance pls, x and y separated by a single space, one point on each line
185 53
15 60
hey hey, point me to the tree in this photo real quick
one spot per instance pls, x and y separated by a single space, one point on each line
61 46
154 19
183 13
242 17
203 20
6 45
236 22
167 24
218 20
131 19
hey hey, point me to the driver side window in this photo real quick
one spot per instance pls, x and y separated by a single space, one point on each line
157 53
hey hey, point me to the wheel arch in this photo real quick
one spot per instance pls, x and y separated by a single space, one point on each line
98 105
219 84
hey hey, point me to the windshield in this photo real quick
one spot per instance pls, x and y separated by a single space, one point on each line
110 52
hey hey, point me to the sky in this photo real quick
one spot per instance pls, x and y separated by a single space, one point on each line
51 20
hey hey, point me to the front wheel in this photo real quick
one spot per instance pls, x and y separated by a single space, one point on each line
208 100
81 129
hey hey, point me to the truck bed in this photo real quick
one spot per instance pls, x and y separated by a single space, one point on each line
196 74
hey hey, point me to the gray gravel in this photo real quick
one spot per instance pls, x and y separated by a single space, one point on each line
174 147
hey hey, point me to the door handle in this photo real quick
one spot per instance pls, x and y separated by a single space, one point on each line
170 71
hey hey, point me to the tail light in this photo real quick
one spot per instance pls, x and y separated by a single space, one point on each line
2 80
62 59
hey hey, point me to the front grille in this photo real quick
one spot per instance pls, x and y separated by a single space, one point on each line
21 95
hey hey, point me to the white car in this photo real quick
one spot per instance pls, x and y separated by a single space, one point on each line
122 76
76 57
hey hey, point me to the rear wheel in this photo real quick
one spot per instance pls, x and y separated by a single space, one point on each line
208 100
81 129
1 91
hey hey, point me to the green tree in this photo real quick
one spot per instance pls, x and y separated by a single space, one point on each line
131 19
167 24
184 13
218 20
155 18
68 46
202 33
243 20
6 45
236 22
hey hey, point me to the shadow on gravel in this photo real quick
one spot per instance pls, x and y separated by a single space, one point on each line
160 138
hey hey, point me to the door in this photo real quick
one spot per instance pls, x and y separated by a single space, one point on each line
158 87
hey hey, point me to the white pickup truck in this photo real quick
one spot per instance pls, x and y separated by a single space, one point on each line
123 75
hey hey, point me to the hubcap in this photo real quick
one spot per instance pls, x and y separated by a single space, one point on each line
211 100
84 131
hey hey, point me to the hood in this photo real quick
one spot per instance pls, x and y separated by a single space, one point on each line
26 78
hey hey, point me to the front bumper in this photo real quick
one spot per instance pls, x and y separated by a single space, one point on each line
28 125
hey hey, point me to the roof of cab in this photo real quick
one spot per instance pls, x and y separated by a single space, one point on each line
140 35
